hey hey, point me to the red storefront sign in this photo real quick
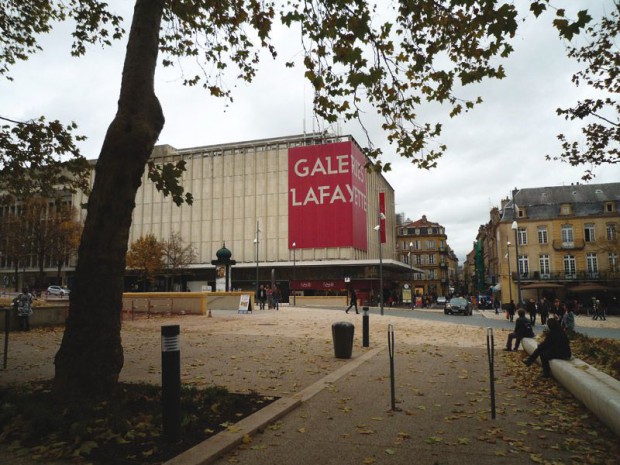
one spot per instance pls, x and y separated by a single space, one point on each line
327 201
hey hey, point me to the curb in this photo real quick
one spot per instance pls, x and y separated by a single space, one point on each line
598 391
213 448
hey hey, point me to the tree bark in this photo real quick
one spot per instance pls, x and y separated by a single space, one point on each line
90 357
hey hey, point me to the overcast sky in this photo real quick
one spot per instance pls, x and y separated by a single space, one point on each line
498 146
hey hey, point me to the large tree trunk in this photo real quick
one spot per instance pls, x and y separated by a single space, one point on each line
90 357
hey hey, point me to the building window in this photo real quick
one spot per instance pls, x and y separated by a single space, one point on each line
609 207
431 259
416 245
613 262
430 245
524 265
567 234
611 231
431 274
543 236
522 236
565 209
589 232
569 266
592 263
545 268
418 259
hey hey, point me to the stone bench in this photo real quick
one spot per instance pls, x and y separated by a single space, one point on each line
599 392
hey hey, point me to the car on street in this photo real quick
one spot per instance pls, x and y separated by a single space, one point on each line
441 301
457 305
58 290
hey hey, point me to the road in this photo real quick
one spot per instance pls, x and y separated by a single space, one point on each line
487 319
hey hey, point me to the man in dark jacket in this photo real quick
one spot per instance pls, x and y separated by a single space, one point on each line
554 346
523 328
353 302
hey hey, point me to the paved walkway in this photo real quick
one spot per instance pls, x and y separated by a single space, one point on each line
442 390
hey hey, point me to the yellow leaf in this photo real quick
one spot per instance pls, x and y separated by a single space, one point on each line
463 441
377 418
536 458
302 430
369 461
390 451
247 439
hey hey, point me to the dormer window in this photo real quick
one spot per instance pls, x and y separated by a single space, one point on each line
609 207
521 212
566 209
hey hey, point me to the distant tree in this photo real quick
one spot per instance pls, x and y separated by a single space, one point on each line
65 236
13 245
146 256
177 255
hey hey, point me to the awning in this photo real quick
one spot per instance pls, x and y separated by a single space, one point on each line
497 287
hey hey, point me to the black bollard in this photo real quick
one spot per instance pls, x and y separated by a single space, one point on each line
491 354
7 322
171 383
365 328
391 353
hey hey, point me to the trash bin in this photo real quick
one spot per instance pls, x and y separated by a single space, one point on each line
342 334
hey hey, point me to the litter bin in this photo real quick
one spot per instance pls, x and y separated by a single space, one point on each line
342 334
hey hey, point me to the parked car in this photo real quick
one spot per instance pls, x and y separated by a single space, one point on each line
457 305
58 290
441 301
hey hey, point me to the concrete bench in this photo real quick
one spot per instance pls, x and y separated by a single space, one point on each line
599 392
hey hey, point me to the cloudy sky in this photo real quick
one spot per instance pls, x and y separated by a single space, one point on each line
498 146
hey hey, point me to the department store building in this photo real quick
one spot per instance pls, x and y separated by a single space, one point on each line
300 212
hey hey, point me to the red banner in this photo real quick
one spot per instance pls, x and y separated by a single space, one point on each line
382 215
327 201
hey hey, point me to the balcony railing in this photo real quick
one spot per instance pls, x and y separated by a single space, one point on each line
577 244
563 276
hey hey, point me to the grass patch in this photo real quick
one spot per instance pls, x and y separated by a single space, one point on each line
125 430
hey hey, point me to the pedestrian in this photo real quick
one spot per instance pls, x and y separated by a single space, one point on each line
496 305
276 295
24 309
568 321
543 309
555 346
511 310
262 297
523 328
352 302
269 297
598 310
531 308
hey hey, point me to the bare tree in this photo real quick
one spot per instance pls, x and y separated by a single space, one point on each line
177 256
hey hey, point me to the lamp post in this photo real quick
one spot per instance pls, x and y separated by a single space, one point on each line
256 242
508 256
411 272
515 228
381 216
294 275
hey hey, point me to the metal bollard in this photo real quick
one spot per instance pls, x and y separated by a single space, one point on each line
491 355
391 353
171 383
365 328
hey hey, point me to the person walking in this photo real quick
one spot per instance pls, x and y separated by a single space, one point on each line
276 295
511 310
262 297
353 302
543 309
531 308
24 309
555 346
496 305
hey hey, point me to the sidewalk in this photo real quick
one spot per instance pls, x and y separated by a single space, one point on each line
441 386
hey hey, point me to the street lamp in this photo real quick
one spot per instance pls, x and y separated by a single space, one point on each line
515 228
378 229
294 276
411 272
256 242
508 257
